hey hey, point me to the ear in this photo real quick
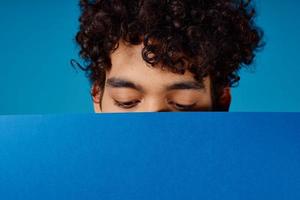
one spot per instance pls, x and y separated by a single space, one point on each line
96 97
225 99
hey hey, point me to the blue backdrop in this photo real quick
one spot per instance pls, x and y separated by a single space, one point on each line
37 43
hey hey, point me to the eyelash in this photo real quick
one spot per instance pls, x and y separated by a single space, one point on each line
127 104
182 107
131 104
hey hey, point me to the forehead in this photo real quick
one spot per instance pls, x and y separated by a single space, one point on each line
127 63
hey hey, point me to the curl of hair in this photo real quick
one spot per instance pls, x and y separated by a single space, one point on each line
215 37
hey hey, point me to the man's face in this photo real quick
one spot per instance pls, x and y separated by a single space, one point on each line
132 86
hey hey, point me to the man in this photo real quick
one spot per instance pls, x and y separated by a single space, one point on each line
165 55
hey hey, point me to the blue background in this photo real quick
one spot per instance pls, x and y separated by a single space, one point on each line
151 156
37 43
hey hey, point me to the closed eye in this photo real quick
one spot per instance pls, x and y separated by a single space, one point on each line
126 104
183 107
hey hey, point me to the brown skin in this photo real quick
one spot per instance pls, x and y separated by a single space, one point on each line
133 86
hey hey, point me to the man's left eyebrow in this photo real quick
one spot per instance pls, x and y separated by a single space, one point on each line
186 85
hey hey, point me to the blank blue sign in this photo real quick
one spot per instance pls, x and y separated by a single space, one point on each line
234 156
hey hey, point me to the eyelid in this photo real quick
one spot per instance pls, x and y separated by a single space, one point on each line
174 102
183 106
126 104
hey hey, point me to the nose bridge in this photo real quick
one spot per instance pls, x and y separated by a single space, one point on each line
155 104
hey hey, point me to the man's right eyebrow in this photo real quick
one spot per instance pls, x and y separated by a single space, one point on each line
122 83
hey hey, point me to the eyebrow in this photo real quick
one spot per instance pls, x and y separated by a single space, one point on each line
184 85
122 83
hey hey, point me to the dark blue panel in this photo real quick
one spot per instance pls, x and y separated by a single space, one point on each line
151 156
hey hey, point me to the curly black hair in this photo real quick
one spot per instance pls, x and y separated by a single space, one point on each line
206 37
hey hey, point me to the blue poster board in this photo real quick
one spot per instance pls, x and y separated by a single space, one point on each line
236 156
